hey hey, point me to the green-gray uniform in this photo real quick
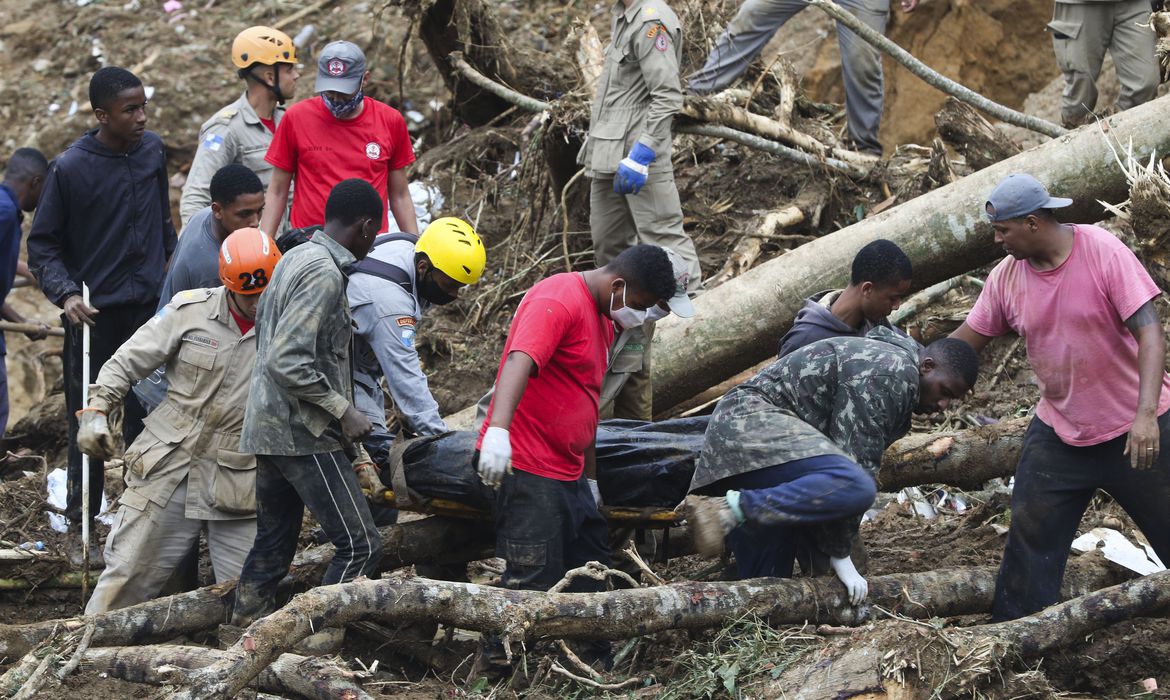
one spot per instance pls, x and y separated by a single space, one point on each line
625 389
638 94
1082 32
843 397
185 470
234 135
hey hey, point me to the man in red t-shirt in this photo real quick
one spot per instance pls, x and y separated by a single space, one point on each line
338 135
542 421
1083 304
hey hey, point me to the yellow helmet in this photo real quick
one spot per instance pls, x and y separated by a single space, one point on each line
454 249
262 45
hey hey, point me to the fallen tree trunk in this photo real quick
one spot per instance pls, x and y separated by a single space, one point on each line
944 232
975 138
620 614
308 677
964 458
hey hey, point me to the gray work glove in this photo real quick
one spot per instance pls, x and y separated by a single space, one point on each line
93 434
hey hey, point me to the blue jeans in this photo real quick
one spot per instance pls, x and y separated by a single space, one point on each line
828 492
1054 483
284 486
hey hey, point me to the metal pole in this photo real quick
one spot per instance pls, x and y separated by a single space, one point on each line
85 515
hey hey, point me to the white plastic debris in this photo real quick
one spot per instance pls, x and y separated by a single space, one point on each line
304 36
918 503
149 90
57 494
415 116
1119 550
428 202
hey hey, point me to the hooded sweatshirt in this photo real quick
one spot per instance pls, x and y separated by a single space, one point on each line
815 321
104 218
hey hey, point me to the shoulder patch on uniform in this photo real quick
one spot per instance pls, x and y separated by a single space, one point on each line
190 296
654 29
405 321
212 142
226 113
407 337
662 41
201 340
650 11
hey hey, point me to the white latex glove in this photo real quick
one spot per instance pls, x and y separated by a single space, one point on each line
93 434
854 582
595 491
495 456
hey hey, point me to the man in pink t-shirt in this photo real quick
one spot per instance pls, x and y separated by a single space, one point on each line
537 442
1084 306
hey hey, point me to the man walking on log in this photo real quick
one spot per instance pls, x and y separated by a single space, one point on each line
878 282
185 471
300 421
1085 307
861 63
103 220
543 418
799 445
627 154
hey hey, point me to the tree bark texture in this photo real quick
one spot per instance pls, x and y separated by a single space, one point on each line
944 232
620 614
308 677
963 458
975 138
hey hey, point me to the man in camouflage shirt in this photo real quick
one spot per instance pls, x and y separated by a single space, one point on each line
799 445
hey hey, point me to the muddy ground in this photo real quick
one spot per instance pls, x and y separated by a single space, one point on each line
495 176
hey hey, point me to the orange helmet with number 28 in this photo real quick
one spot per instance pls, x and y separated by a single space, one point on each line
246 261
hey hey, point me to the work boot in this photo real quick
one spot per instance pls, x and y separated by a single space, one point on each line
324 643
711 519
73 549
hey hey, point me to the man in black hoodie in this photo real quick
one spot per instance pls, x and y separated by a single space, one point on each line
104 220
878 282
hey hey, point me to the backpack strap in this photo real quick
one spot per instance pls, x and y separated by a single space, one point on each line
384 270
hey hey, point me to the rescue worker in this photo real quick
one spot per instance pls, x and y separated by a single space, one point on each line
185 472
543 418
339 134
799 444
266 60
1081 33
627 154
300 421
389 292
107 192
758 21
879 279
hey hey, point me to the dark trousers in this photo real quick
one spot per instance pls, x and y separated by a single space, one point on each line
113 326
781 502
1054 483
284 486
3 395
545 527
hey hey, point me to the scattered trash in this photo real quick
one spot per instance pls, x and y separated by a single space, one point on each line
304 36
37 546
941 498
428 202
415 116
149 90
918 503
1150 684
73 107
1119 550
54 108
57 498
42 64
172 6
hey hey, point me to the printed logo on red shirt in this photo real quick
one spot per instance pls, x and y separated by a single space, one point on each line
373 150
335 67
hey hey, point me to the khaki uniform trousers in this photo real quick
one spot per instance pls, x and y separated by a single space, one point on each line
144 547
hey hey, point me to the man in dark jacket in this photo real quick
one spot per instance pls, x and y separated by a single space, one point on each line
104 220
878 282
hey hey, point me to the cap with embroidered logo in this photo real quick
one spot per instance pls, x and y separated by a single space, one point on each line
340 68
1020 194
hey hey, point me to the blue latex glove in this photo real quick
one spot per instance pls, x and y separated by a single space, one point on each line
632 171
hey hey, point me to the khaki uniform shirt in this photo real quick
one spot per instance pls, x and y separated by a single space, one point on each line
234 135
195 432
639 90
627 356
303 381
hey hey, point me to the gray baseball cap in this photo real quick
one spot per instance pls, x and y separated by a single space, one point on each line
680 304
1020 194
340 68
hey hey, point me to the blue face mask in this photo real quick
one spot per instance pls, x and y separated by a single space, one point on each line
341 110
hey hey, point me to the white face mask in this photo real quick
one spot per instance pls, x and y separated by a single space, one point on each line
625 316
656 313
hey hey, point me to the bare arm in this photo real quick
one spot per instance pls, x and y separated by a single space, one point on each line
977 341
1144 438
510 388
401 205
275 201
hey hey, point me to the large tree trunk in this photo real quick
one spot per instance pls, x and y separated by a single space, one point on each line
964 458
944 232
621 614
965 130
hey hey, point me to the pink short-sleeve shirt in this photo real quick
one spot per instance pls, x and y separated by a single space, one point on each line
1072 320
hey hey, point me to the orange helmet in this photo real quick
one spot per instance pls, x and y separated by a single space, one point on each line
246 261
262 45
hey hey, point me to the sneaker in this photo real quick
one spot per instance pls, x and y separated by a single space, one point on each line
711 520
324 643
